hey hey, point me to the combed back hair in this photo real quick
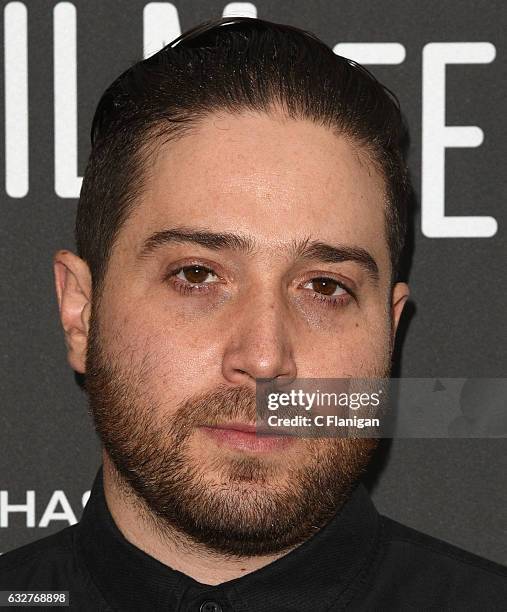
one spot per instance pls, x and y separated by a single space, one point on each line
232 65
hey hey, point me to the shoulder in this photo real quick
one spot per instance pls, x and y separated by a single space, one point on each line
40 562
51 564
417 545
438 573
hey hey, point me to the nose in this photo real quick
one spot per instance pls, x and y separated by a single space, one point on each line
259 344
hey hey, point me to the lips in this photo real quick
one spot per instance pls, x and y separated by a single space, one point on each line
245 437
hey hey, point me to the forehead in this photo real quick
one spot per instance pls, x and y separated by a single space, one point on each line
267 176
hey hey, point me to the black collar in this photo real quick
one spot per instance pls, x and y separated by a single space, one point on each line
322 572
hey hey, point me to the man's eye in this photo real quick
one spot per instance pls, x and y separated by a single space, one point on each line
329 291
194 274
327 286
193 279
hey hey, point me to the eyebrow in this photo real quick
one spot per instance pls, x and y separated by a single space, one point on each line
306 249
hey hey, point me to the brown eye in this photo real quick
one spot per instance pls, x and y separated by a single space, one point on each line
195 274
325 286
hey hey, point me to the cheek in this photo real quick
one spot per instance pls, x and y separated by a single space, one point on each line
371 350
355 347
171 357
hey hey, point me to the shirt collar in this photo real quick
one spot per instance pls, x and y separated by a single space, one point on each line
322 571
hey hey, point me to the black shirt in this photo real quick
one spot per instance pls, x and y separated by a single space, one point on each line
360 560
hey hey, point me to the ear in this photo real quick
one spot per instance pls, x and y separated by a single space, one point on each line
73 290
399 296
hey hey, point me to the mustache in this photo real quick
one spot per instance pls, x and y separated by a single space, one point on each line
212 408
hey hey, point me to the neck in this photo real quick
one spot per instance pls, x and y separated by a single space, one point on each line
172 548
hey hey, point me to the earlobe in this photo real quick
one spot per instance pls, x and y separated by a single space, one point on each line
73 290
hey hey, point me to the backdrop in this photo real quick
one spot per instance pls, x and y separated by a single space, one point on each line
446 60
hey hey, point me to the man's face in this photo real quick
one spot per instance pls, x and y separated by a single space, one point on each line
174 348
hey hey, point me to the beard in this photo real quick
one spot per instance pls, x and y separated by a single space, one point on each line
253 505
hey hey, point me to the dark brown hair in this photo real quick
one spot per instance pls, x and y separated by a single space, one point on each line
232 64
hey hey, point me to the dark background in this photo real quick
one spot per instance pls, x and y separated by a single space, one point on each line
454 326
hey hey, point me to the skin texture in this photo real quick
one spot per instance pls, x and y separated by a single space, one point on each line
160 363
